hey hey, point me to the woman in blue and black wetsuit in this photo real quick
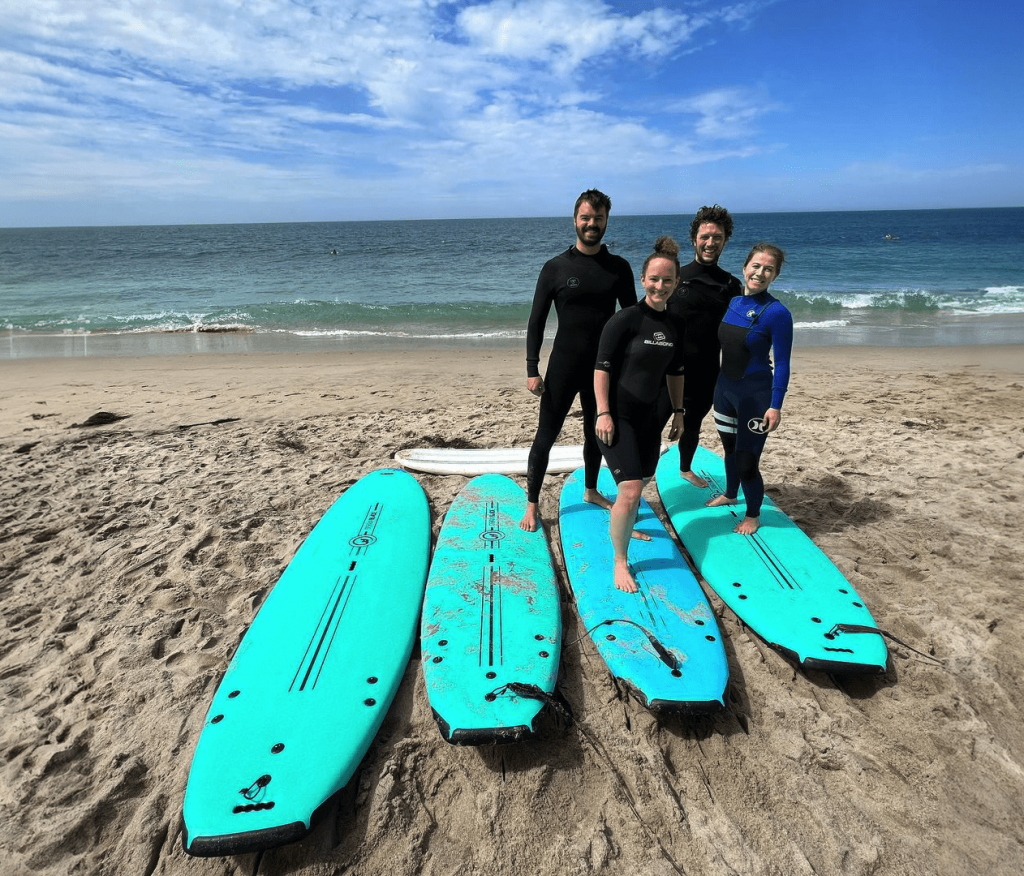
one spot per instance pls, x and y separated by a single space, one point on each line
748 395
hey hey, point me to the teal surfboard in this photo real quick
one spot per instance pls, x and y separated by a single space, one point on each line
491 629
313 677
777 581
663 642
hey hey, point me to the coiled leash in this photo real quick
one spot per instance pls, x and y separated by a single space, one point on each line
666 656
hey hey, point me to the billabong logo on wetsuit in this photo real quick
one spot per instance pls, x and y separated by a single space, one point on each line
659 341
573 282
757 426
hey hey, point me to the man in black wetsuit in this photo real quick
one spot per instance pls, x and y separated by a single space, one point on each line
584 283
704 293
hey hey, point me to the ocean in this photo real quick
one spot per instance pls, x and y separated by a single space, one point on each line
908 277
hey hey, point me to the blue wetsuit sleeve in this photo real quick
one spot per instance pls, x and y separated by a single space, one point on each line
782 346
543 297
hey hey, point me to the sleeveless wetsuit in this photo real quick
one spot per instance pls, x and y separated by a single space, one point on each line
584 290
700 303
752 328
639 347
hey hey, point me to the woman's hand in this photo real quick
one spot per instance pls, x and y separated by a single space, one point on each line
605 428
676 427
535 385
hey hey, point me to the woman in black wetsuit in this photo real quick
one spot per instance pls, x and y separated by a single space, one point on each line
640 349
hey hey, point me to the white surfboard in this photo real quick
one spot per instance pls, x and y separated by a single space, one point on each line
497 460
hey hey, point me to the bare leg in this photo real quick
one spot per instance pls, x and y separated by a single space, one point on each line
718 501
748 525
694 479
597 498
623 517
530 518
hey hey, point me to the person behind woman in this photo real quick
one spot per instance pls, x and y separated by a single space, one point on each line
705 290
641 347
748 395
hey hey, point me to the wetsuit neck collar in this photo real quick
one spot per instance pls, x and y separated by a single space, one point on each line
642 303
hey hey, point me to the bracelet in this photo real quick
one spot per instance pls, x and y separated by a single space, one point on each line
603 413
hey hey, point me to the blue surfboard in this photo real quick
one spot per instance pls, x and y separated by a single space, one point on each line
777 581
491 629
663 642
312 679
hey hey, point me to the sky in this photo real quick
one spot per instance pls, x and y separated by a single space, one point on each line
209 111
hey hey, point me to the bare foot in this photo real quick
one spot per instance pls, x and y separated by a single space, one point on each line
530 518
691 478
596 498
748 525
718 501
624 578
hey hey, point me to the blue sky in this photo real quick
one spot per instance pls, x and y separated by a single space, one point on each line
181 111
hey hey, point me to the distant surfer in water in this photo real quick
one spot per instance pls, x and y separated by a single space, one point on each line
584 284
641 349
748 396
704 293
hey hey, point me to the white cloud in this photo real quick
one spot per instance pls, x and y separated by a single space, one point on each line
882 171
727 113
235 98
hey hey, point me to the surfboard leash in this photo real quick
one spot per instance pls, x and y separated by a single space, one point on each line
885 634
666 656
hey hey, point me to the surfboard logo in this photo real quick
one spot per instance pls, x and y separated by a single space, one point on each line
491 531
365 538
757 426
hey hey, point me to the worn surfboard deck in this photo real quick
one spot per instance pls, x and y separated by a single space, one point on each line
491 617
314 675
777 581
663 642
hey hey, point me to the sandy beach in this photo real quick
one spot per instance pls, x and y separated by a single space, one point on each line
133 554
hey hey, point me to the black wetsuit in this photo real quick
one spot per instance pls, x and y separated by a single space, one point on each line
639 347
584 290
700 303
